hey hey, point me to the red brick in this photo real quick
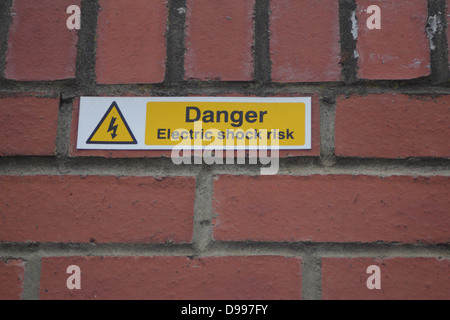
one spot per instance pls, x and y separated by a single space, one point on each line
400 49
219 40
131 45
331 208
304 41
400 279
392 126
40 45
12 274
98 209
28 125
174 278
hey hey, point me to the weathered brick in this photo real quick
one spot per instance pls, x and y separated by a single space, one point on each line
40 46
174 278
98 209
219 38
331 208
12 274
131 45
28 125
304 41
393 126
400 49
400 279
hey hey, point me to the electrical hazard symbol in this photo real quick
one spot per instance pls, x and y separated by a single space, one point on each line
112 129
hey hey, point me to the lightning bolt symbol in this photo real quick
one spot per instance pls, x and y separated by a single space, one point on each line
113 127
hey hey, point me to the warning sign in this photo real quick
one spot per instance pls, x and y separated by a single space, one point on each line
219 123
112 128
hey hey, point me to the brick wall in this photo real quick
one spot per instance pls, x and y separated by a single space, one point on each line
373 190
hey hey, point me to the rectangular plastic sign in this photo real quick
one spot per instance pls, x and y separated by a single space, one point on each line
136 123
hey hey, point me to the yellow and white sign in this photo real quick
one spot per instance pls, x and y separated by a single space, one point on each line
163 123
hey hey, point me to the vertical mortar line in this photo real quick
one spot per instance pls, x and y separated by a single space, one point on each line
348 39
64 127
5 22
436 31
202 231
86 47
311 278
175 42
32 278
262 61
327 129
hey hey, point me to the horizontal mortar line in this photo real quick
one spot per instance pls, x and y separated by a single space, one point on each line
93 166
406 89
193 85
13 86
376 167
200 84
369 167
31 250
301 166
301 91
328 249
71 89
219 249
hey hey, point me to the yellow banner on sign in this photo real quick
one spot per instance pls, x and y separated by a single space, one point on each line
231 124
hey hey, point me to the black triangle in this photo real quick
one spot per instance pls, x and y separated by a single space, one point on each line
113 105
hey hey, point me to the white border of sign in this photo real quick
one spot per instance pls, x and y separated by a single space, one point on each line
92 110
